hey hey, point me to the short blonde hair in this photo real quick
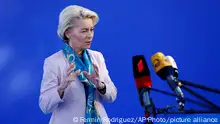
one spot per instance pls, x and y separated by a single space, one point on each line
70 13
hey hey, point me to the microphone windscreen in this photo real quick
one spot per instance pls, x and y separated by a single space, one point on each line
141 72
171 61
161 66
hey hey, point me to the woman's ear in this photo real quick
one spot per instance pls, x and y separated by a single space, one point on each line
67 33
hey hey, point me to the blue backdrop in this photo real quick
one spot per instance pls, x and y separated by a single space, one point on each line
188 30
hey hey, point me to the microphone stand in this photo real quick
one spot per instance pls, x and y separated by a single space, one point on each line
169 109
148 110
200 86
187 99
213 106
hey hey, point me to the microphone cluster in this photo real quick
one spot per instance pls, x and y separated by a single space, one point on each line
166 68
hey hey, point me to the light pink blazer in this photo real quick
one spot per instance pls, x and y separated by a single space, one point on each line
72 106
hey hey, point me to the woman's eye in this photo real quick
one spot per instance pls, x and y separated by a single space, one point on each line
84 31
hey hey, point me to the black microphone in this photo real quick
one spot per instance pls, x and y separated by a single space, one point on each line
143 83
166 72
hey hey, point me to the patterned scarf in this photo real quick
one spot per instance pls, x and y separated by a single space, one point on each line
84 64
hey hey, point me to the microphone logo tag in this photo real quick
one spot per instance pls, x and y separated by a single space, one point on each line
140 66
156 63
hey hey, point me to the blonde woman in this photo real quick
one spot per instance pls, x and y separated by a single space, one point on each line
75 79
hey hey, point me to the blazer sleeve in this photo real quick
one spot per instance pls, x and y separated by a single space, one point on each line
111 91
49 97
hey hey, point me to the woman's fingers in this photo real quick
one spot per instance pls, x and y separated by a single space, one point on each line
70 77
96 70
71 68
77 72
86 74
95 67
70 71
73 75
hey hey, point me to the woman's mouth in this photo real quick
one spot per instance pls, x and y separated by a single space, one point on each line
88 42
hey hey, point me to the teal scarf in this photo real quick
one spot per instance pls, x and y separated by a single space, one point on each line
84 64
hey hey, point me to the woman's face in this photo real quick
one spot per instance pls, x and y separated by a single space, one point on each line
81 35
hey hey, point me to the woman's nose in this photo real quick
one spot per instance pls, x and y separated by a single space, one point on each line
90 35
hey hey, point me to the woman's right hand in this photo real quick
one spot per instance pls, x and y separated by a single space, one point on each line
70 77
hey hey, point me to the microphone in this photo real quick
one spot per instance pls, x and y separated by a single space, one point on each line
171 60
174 65
143 83
165 71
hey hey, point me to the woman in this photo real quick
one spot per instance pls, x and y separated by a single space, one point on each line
75 79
